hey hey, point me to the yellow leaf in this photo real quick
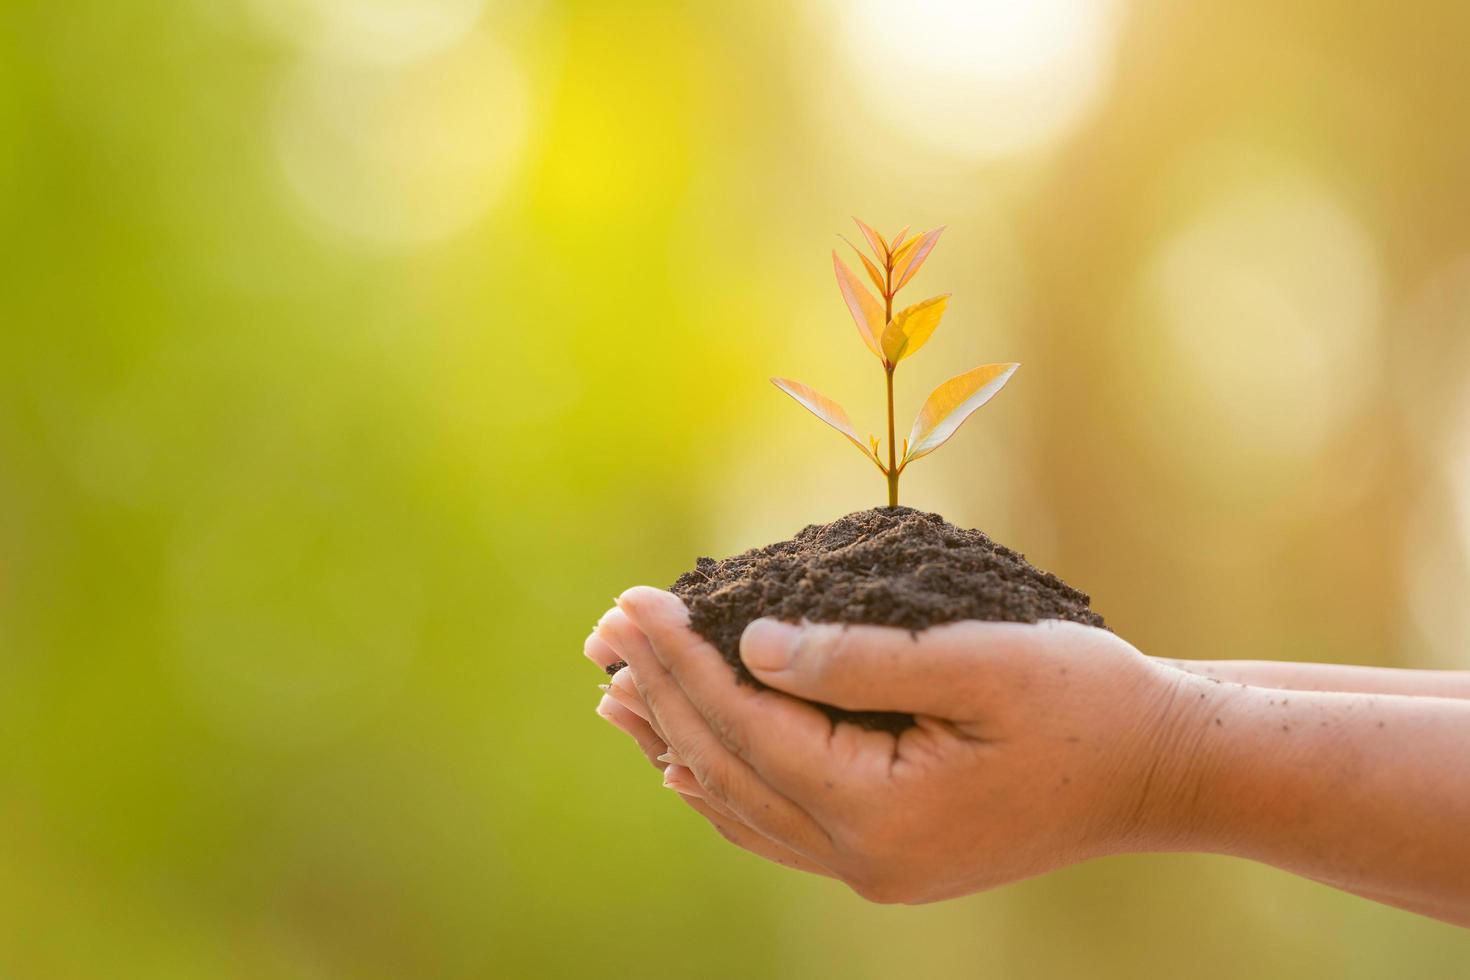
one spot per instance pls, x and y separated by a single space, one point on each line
901 253
875 240
953 402
911 328
926 245
866 311
825 409
874 273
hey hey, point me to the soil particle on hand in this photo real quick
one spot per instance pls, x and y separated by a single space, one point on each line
884 567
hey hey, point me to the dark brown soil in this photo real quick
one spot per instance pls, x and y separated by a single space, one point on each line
887 567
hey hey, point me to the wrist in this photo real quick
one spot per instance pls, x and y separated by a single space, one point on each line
1183 790
1246 756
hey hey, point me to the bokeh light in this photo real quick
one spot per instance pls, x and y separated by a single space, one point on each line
980 80
1267 300
401 155
383 31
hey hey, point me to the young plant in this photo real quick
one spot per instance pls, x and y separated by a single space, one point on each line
892 337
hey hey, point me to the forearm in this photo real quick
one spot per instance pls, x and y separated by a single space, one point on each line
1368 793
1290 676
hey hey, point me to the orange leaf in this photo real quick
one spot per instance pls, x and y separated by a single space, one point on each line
896 239
825 409
911 328
866 311
902 252
875 240
926 245
953 402
874 273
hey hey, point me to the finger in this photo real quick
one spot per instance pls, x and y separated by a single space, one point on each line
948 671
676 775
620 717
601 648
788 742
714 805
747 839
682 781
596 649
680 778
623 689
723 775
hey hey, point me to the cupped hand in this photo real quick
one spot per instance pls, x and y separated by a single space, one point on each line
622 706
1035 746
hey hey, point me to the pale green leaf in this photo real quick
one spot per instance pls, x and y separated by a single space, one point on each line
953 402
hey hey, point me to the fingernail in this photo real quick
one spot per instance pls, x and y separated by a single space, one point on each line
623 680
679 784
672 758
768 644
627 700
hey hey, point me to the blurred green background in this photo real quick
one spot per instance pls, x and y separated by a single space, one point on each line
355 353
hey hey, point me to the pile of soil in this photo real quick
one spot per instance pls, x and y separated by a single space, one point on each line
887 567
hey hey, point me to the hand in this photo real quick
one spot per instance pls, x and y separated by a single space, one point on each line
1040 745
622 706
1036 746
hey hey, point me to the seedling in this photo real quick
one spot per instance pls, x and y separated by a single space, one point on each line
892 338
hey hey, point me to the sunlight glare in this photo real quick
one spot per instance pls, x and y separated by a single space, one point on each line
979 79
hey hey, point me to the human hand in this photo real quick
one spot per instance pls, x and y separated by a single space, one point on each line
622 706
1036 746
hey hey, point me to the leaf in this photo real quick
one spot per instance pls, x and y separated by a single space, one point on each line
911 328
902 252
875 240
926 245
874 273
893 242
866 311
951 403
825 409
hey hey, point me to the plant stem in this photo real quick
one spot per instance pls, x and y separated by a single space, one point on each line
888 375
892 447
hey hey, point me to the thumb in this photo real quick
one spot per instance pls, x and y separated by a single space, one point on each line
940 671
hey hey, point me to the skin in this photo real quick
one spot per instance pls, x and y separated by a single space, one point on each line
1042 745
